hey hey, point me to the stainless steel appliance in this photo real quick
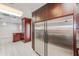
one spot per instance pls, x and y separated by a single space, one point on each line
60 36
60 29
39 38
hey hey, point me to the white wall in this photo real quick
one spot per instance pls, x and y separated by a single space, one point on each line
6 32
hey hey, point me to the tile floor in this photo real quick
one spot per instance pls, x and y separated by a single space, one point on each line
16 49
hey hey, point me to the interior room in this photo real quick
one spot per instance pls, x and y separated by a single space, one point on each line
39 29
12 27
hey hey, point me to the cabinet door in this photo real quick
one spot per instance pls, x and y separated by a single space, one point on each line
60 36
39 38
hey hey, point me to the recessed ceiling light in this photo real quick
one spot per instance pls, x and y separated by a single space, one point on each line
4 24
9 10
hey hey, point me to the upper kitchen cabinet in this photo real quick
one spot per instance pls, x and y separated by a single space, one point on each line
59 9
40 14
52 10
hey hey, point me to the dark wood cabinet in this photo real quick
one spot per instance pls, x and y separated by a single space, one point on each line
52 10
26 29
18 37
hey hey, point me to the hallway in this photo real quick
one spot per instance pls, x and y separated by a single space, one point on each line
16 49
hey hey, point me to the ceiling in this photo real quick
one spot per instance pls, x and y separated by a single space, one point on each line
26 8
